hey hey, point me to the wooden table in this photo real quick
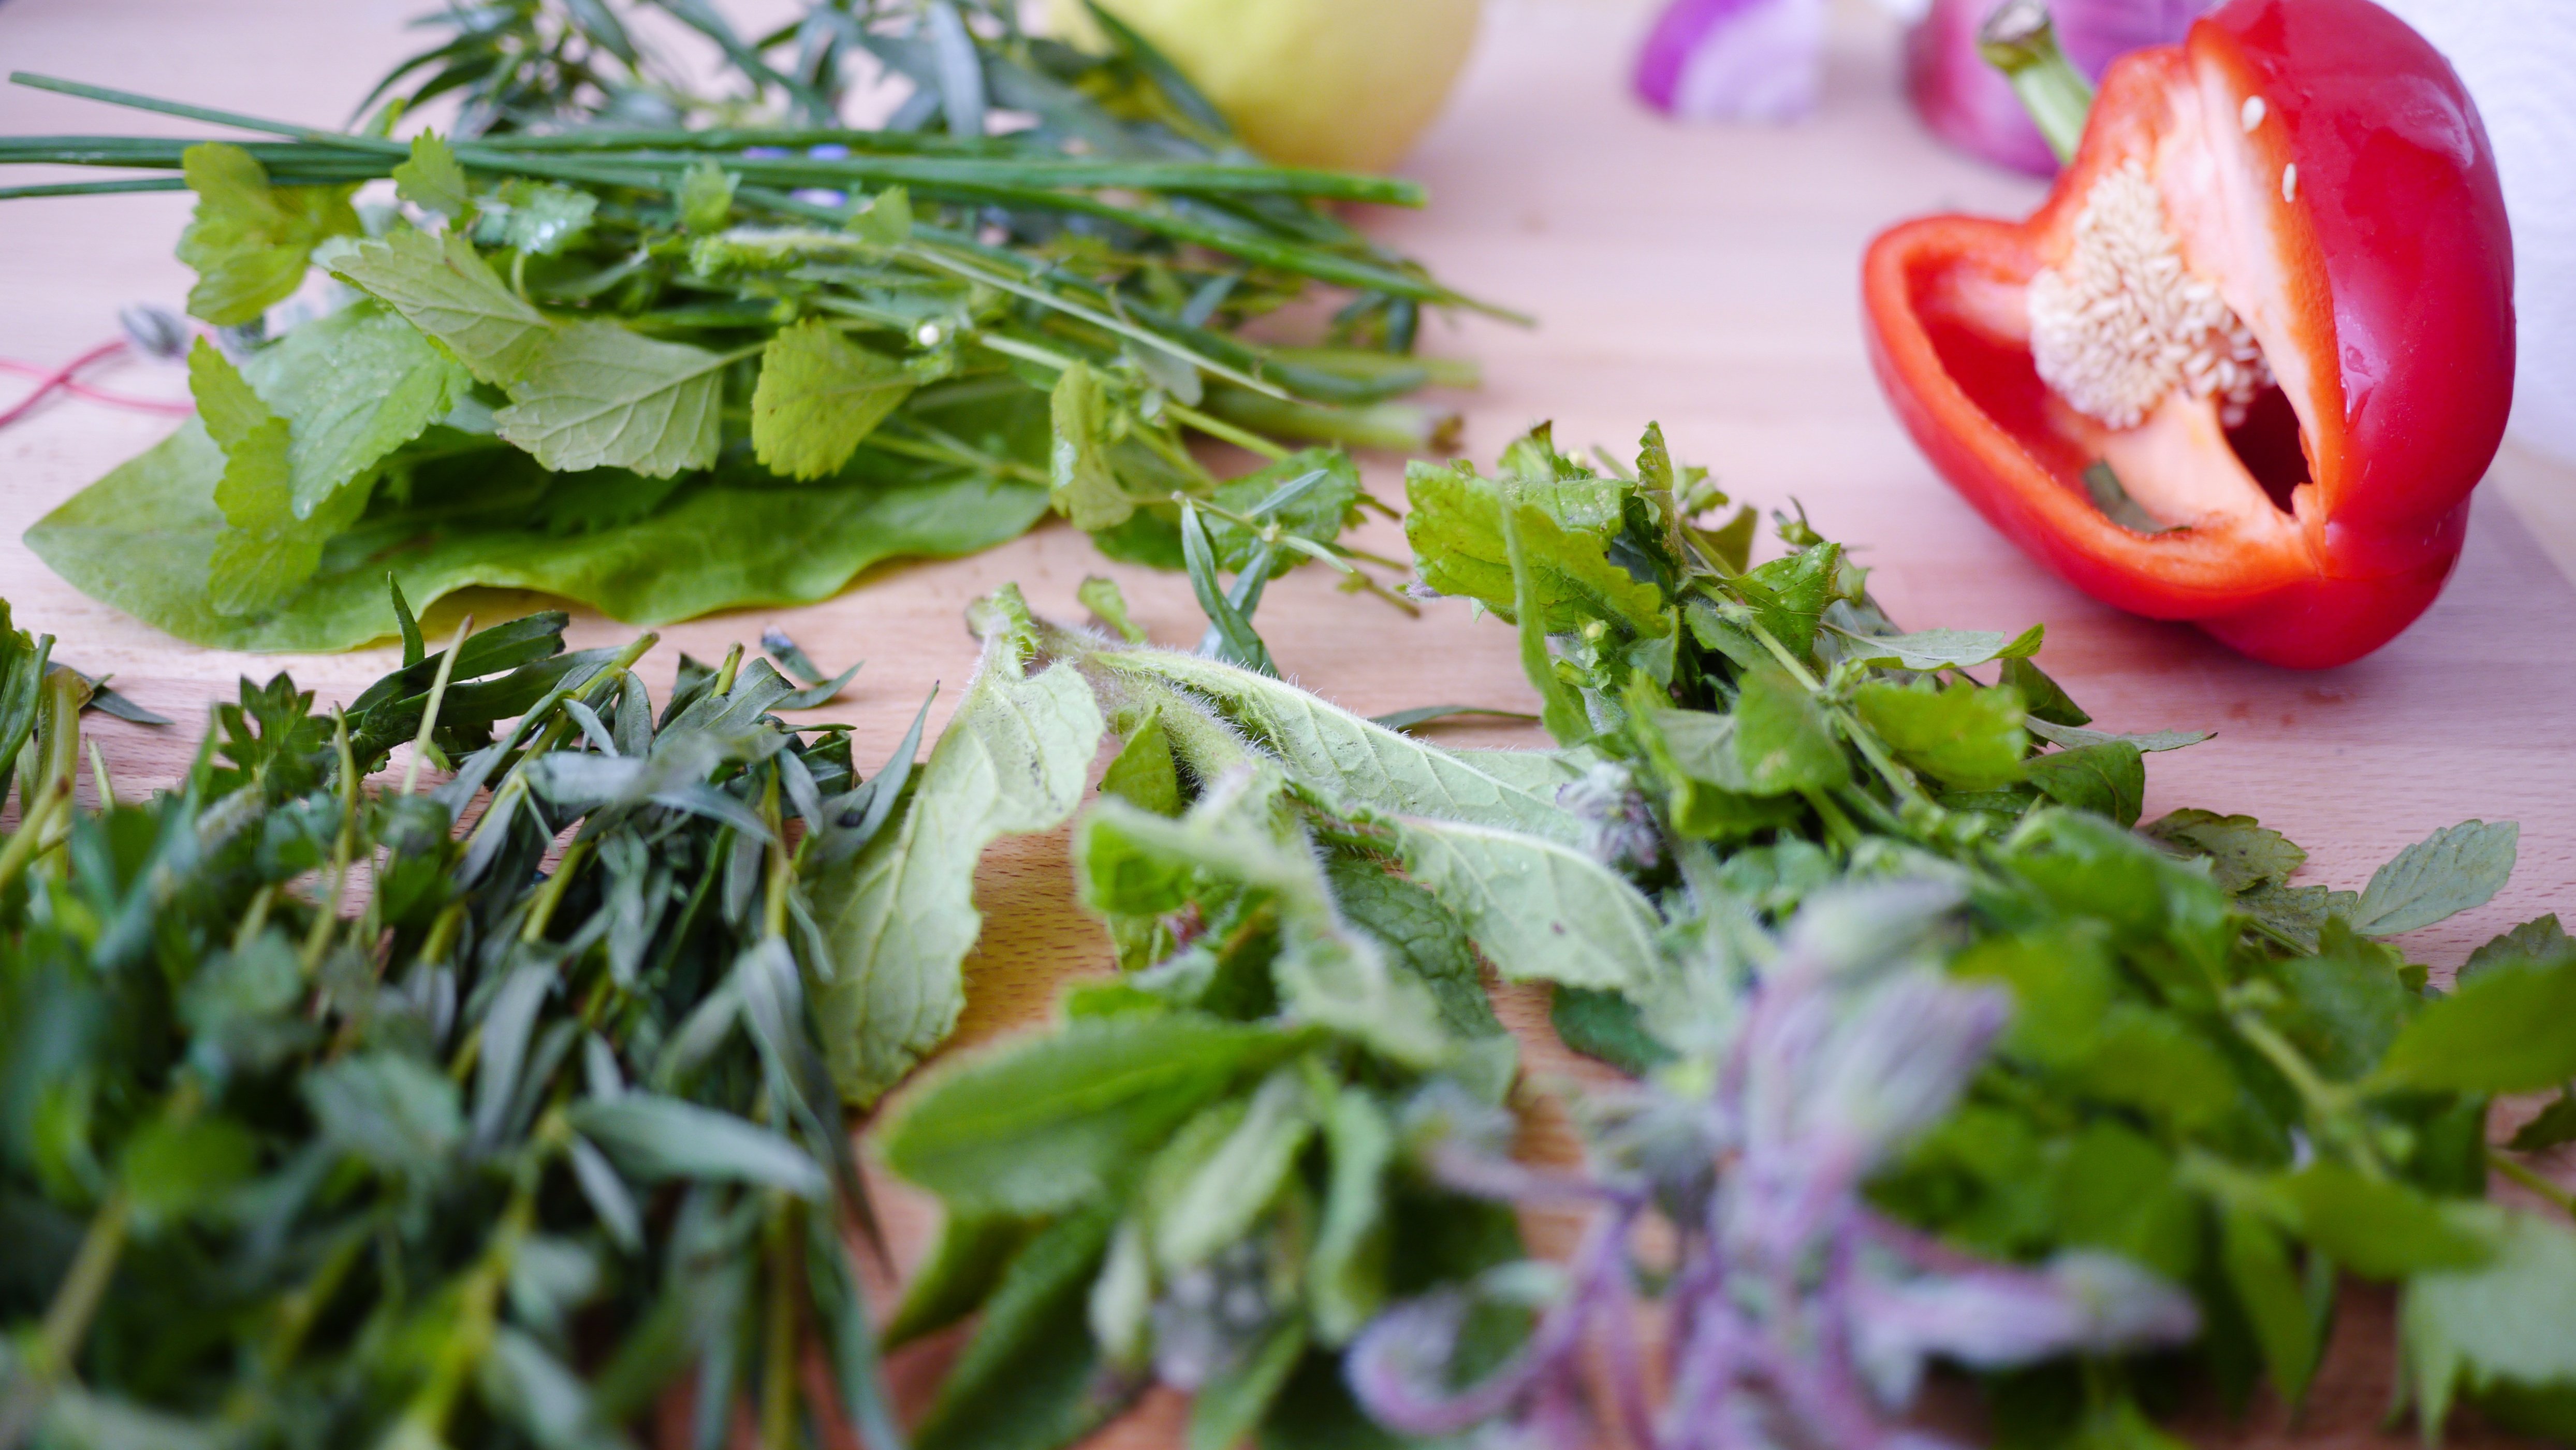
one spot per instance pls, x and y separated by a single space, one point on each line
1702 276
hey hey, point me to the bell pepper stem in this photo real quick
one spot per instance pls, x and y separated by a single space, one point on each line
2020 40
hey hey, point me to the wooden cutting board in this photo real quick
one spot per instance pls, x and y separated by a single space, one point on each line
1703 276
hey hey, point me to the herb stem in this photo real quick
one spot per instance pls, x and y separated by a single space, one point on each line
2524 1174
1218 428
437 696
33 825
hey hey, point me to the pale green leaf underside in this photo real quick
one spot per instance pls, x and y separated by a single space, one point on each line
1539 910
901 914
1364 766
2439 877
443 288
600 396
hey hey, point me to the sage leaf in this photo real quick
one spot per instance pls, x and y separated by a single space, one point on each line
1540 910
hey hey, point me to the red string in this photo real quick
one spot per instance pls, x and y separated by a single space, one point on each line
68 380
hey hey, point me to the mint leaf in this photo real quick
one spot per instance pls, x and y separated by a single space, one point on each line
2270 1291
431 179
2076 738
2047 700
2377 1227
2503 1031
601 396
1217 1203
442 287
249 242
1053 1123
2554 1125
900 915
1565 524
2494 1327
818 397
2444 874
1962 736
1346 1273
1607 1026
2242 852
1540 910
1228 1408
1029 1379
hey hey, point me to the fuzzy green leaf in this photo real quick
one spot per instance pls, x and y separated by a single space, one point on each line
1540 910
900 914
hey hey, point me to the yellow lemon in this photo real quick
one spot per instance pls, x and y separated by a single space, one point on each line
1340 83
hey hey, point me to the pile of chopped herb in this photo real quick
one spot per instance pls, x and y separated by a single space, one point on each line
485 1099
665 352
1940 1057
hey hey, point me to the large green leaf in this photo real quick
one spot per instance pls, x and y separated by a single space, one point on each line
139 539
900 915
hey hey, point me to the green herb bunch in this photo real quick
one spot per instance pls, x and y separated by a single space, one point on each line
334 1111
2219 1081
731 357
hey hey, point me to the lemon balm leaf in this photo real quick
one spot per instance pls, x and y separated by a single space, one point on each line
248 241
602 396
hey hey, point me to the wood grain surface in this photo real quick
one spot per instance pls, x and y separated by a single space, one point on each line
1702 276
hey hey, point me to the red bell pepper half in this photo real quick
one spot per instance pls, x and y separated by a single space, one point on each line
2246 363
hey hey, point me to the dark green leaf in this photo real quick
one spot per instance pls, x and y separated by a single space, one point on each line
2502 1031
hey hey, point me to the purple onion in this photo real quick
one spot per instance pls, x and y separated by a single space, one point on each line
1969 104
1734 60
